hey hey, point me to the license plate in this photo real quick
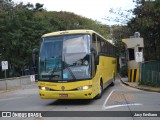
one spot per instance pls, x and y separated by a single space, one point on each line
63 95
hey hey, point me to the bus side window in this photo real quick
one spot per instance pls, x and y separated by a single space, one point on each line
94 41
107 49
103 47
99 45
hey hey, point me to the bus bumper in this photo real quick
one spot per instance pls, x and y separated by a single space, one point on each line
81 94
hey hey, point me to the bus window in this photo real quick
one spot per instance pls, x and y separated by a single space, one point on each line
94 42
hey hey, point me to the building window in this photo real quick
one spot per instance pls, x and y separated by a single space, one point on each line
131 54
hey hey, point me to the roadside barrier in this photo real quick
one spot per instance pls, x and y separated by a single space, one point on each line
10 83
133 75
150 73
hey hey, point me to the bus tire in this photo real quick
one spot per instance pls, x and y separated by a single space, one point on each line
101 90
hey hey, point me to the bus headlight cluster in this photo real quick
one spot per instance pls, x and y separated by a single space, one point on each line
84 87
43 88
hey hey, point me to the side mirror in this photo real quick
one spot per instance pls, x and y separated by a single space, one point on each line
34 52
97 60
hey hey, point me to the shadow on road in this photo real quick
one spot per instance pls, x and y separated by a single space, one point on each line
71 102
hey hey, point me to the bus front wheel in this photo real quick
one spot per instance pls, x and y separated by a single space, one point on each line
101 90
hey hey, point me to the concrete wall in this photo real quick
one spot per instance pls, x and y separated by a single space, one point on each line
9 83
133 42
136 44
132 64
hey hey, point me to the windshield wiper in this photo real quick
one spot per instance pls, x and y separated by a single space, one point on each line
70 71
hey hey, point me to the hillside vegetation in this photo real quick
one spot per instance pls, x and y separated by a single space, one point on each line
21 27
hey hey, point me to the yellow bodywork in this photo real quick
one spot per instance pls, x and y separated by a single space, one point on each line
70 90
106 70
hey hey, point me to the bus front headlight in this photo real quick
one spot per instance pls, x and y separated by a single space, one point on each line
84 87
44 88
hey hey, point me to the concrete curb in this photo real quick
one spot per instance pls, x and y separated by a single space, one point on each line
145 88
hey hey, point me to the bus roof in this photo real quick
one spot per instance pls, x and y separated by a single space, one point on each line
68 32
79 31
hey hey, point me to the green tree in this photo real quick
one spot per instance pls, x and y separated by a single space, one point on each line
21 27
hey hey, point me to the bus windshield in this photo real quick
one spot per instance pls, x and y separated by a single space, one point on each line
65 57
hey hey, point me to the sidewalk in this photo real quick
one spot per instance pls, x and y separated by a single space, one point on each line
141 87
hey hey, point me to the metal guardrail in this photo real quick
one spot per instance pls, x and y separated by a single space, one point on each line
150 73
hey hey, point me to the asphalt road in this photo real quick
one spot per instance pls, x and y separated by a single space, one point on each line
115 98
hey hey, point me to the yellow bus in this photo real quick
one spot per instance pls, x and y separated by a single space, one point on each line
75 64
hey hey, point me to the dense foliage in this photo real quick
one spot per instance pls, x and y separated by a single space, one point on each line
21 27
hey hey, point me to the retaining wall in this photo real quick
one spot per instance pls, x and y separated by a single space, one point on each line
9 83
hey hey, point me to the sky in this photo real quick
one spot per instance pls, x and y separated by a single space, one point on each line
93 9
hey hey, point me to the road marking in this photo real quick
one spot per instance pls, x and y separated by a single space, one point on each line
115 106
123 105
103 107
